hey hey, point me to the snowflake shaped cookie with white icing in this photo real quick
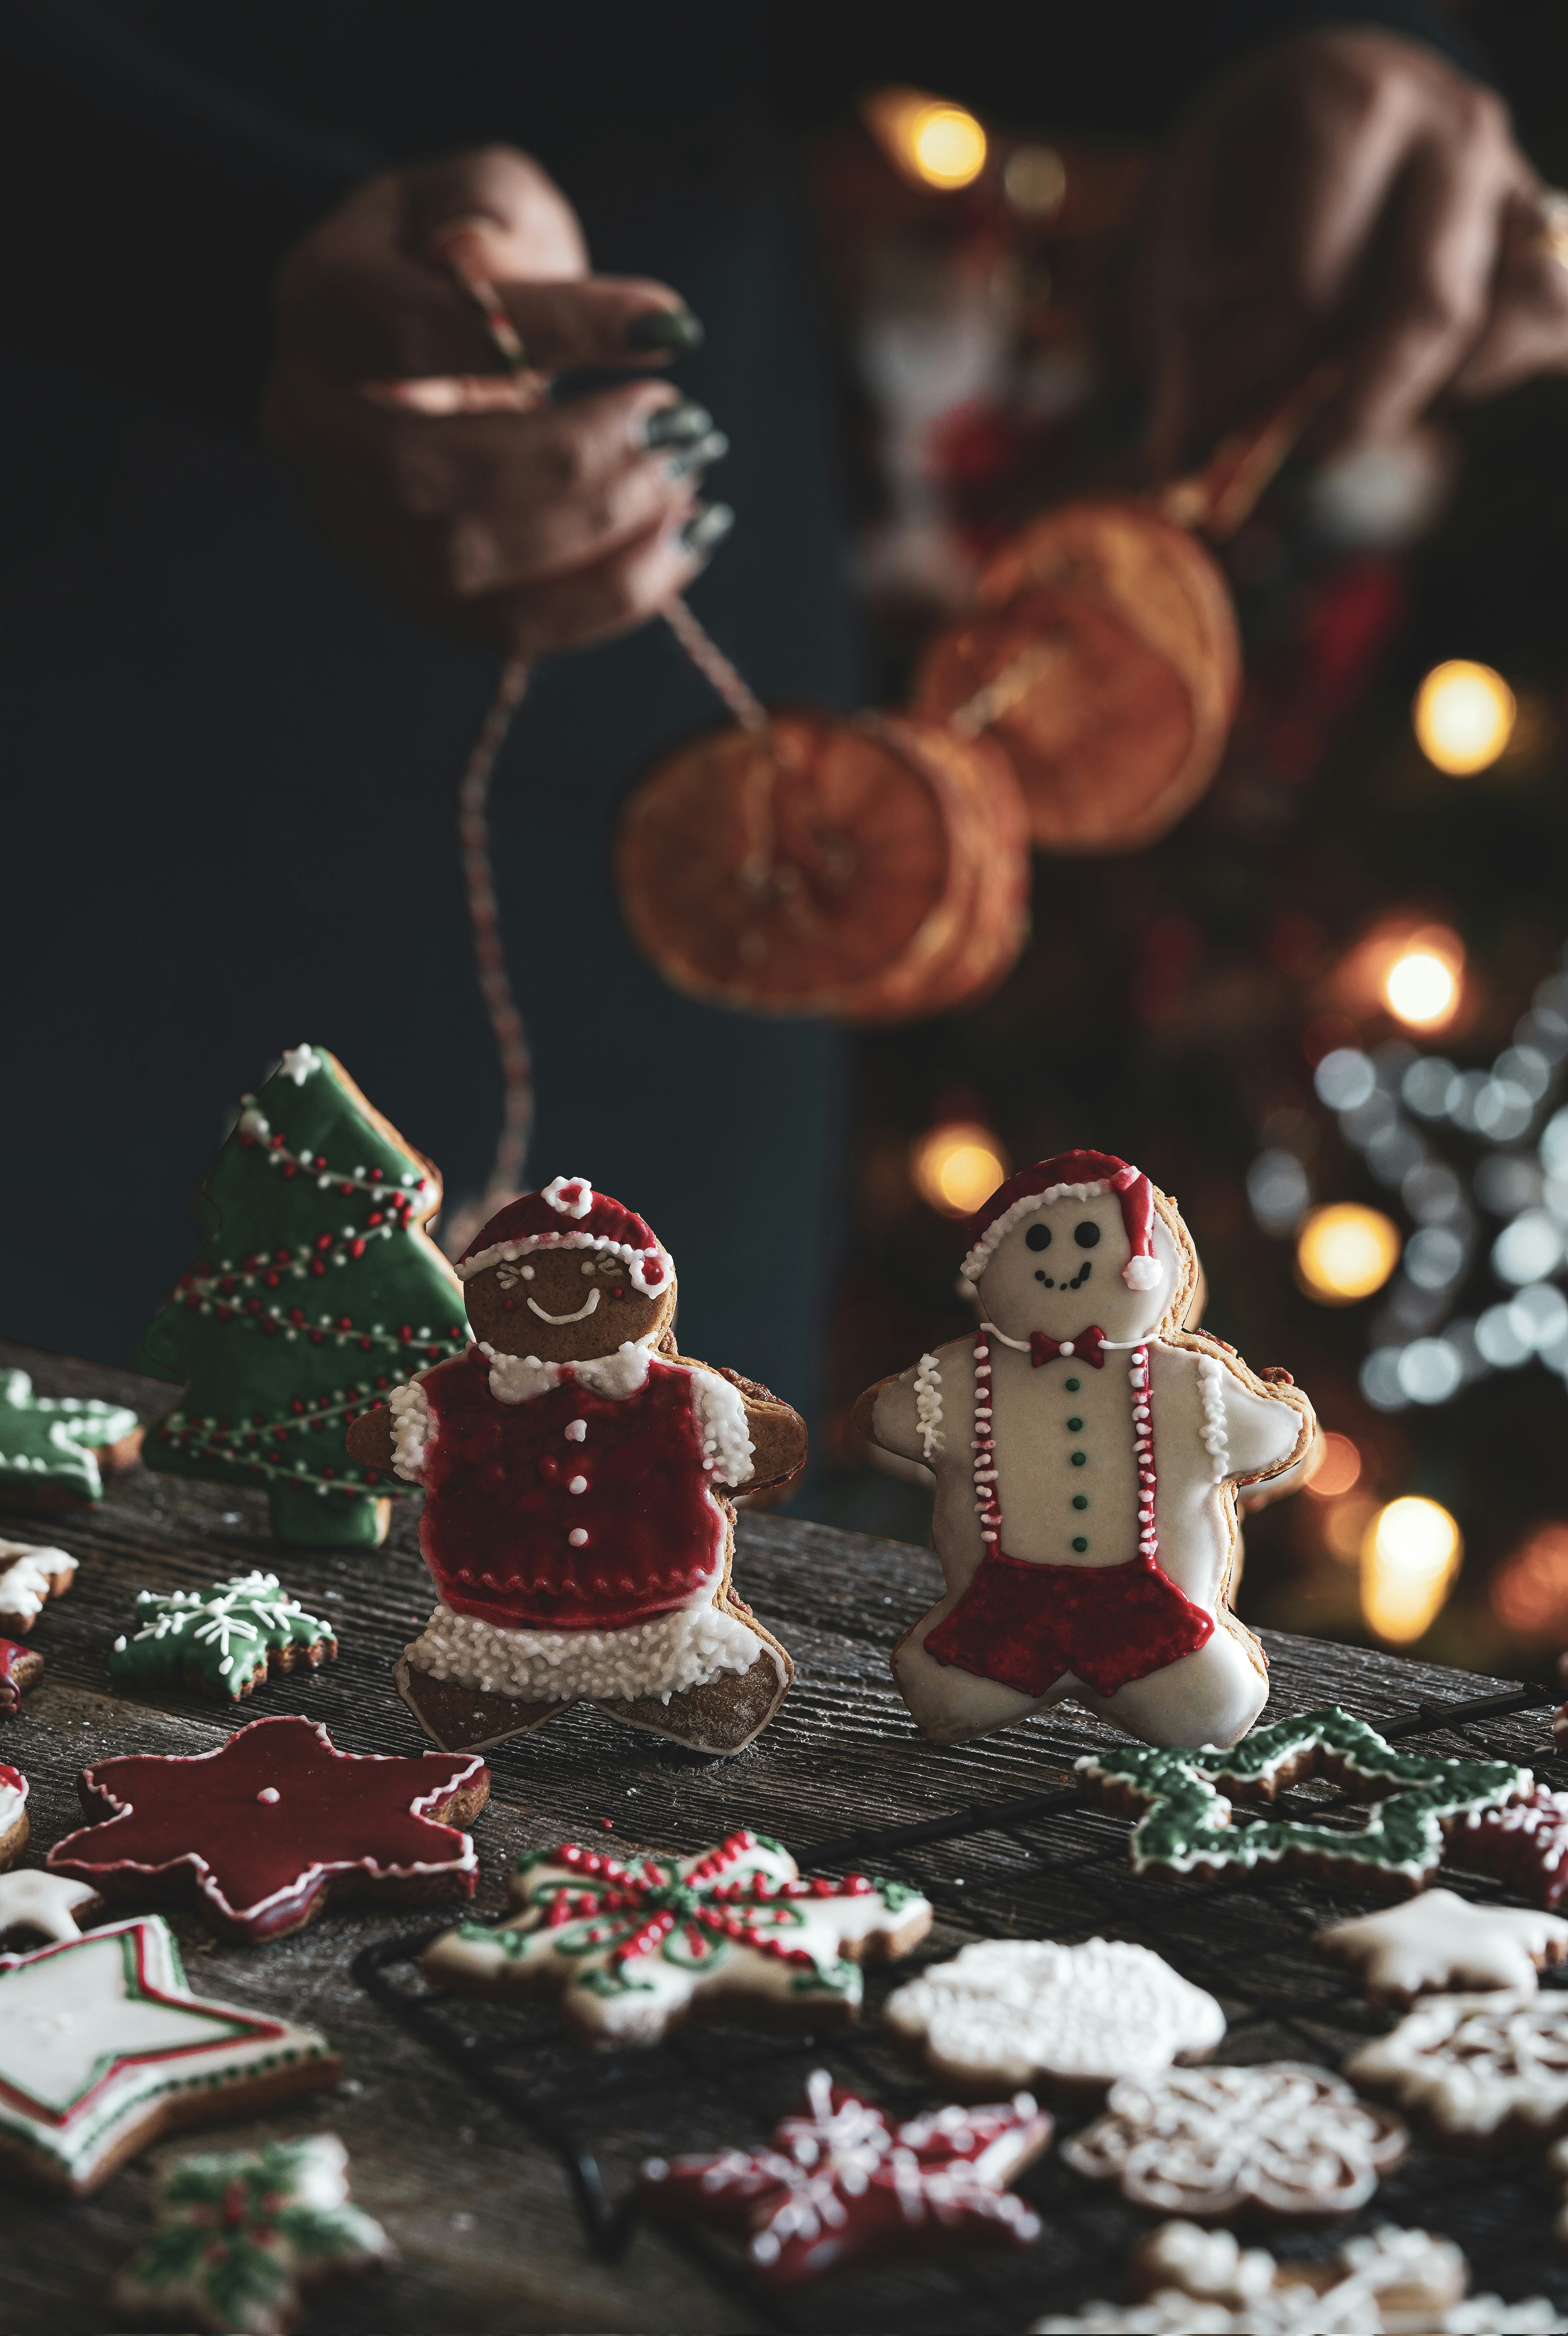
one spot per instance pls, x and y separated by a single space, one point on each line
1482 2070
1007 2012
1441 1940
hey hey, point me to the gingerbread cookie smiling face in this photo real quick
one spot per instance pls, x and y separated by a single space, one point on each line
1087 1452
576 1472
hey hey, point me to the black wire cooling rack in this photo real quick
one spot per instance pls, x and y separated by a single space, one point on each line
1067 1876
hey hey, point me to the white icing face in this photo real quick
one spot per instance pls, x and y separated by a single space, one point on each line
1059 1269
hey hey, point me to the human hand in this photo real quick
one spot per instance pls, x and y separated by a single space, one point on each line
526 525
1348 194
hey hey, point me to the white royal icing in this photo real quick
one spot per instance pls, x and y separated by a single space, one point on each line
26 1570
1009 2009
99 2034
929 1405
1476 2063
727 1444
1212 1392
1441 1940
1211 2263
12 1801
975 1263
47 1903
687 1649
299 1062
410 1409
519 1378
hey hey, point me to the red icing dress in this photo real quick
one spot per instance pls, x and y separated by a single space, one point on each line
499 1508
1027 1624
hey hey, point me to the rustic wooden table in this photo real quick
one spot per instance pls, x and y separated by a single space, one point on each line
484 2211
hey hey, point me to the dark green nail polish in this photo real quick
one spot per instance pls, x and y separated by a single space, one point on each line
674 329
676 425
711 449
705 529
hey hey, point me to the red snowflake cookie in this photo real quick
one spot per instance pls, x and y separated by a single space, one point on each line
259 1832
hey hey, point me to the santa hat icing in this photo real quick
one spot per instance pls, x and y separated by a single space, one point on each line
570 1215
1070 1176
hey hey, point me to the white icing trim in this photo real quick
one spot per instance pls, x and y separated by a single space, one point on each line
1217 1440
558 1185
410 1409
27 1570
664 1656
518 1378
589 1306
726 1445
299 1062
975 1263
1143 1273
651 1269
929 1405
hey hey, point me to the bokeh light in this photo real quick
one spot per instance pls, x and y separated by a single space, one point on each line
1339 1469
957 1166
1421 987
1346 1251
1463 716
1409 1558
929 139
1530 1591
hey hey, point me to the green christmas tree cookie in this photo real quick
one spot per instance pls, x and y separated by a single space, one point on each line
1186 1823
223 1641
239 2235
318 1289
49 1444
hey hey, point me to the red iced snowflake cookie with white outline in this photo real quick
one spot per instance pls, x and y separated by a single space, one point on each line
259 1832
1088 1451
840 2185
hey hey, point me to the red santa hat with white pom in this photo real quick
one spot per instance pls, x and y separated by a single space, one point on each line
1070 1176
570 1215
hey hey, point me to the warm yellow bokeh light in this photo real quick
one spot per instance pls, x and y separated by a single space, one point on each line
957 1166
1339 1466
1345 1526
1346 1252
934 142
1464 716
1408 1562
1421 987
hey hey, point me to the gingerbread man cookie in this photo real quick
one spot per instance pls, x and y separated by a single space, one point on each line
575 1470
1012 2012
1087 1452
1441 1940
633 1947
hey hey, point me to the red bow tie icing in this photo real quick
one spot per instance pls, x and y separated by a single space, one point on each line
261 1830
1087 1348
840 2185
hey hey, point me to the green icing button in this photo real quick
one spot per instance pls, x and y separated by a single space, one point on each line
1080 1543
1072 1386
1080 1500
1080 1459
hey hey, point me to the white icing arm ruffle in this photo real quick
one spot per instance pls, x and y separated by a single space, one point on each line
726 1445
1257 1432
411 1430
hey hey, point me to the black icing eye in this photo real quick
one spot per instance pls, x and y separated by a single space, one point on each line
1086 1235
1039 1237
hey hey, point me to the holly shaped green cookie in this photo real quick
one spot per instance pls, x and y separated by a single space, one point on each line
49 1444
240 2233
318 1289
1187 1824
222 1640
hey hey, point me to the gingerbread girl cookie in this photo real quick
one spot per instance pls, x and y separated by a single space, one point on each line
1088 1452
575 1470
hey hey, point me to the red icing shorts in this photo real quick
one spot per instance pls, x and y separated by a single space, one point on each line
1027 1624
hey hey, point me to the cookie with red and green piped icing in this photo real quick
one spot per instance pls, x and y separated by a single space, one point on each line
632 1947
223 1641
258 1833
1187 1824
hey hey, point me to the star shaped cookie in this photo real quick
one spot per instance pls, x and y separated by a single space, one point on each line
102 2044
43 1906
51 1445
1441 1940
259 1832
1187 1822
30 1576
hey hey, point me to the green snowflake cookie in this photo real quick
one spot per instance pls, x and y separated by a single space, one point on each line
631 1946
1188 1825
241 2235
48 1443
222 1640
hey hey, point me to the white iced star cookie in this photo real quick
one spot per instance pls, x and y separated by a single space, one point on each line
43 1905
1440 1941
1007 2012
1484 2071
